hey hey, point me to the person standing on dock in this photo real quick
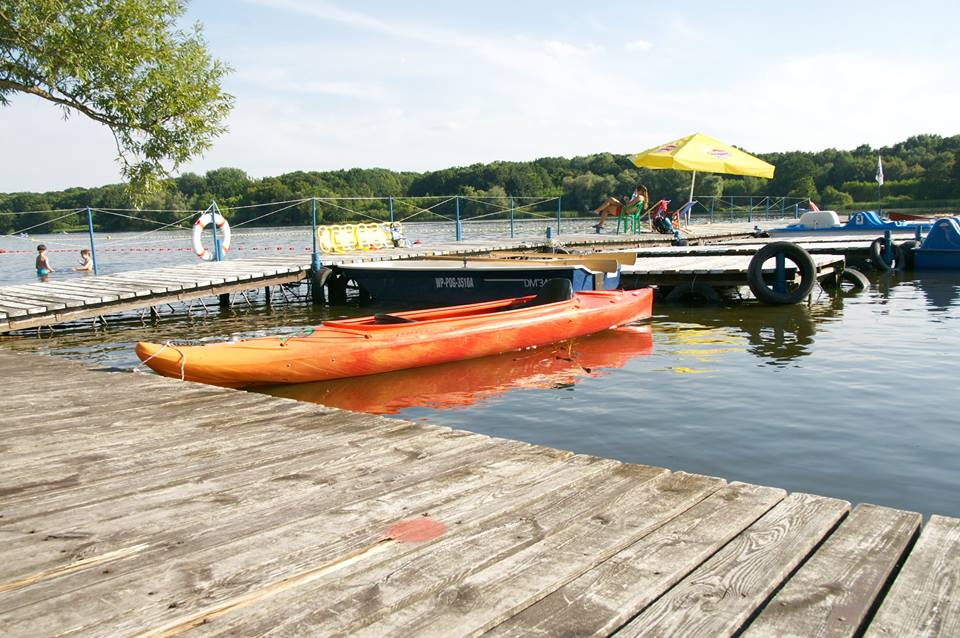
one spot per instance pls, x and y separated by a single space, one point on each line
43 264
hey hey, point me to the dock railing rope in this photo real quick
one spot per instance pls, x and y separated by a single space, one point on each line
460 210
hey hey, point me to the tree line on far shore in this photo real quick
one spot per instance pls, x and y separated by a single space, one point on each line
922 170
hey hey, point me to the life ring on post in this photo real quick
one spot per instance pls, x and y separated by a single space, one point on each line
223 227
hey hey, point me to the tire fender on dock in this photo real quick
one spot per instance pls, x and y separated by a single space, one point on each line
907 249
857 281
769 294
694 293
879 259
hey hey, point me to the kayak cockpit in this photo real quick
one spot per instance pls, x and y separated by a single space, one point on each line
553 291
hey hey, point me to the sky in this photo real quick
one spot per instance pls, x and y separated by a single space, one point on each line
424 85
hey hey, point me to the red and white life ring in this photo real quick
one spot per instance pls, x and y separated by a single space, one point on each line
223 228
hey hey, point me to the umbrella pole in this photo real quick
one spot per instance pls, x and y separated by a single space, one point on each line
693 180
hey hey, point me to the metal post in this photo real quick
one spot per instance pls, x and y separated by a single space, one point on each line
315 257
93 248
214 211
390 206
559 203
796 210
511 217
750 211
780 275
459 229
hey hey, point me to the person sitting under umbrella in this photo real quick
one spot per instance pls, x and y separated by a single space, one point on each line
612 205
660 217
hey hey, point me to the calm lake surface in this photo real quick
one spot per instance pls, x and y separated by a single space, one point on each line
848 397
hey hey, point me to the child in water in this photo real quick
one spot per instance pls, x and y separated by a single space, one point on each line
43 264
86 261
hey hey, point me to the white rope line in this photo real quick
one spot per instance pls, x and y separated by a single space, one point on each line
427 210
139 219
35 212
273 212
132 240
355 212
16 233
136 239
515 208
289 201
144 210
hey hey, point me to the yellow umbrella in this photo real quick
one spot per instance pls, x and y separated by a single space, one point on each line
699 152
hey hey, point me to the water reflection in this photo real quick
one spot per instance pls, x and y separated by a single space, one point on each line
940 290
778 335
464 383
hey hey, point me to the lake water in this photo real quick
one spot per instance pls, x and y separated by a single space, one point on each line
847 397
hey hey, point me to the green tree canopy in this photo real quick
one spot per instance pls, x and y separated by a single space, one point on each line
125 64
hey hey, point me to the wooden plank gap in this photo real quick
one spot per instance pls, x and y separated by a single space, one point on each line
180 625
73 567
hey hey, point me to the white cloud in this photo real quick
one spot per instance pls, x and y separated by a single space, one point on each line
418 96
560 49
637 45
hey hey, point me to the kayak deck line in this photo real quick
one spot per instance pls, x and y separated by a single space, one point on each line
188 509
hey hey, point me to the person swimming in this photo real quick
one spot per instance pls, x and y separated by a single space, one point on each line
86 261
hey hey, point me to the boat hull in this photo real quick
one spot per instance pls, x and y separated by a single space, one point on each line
463 383
941 248
446 284
358 347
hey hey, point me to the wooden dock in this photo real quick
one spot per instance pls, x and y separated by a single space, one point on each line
61 300
846 245
718 270
133 505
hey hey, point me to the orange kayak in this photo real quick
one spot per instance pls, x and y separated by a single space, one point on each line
383 343
460 384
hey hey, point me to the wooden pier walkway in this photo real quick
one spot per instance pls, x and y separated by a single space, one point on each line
716 269
133 505
844 245
61 300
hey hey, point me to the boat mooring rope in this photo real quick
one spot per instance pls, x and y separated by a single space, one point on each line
166 344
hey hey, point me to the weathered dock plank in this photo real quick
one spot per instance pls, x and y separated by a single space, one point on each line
717 598
924 600
601 600
832 593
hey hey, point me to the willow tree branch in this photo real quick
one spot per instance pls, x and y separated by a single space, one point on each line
33 90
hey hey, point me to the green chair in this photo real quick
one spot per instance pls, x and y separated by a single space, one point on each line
629 217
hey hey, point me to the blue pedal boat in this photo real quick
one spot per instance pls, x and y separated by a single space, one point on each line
454 282
940 249
864 221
